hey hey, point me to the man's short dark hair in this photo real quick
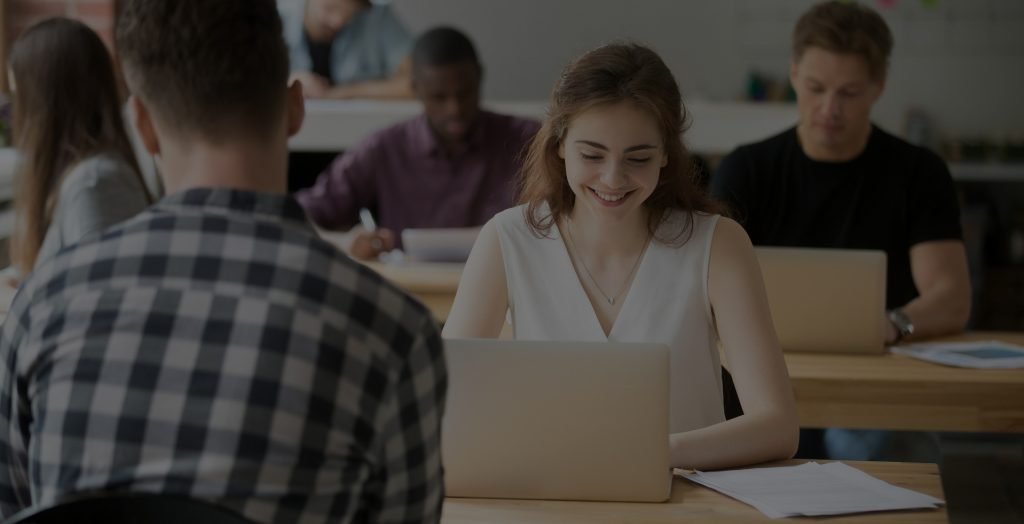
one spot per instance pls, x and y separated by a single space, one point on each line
213 67
443 46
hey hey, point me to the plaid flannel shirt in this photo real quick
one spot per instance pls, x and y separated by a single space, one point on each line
214 346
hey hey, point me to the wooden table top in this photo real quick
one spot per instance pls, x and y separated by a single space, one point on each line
693 503
902 393
835 390
418 277
883 391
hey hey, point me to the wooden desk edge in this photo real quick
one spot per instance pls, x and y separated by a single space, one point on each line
692 501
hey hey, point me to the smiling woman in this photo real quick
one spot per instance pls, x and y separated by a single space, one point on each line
615 242
618 81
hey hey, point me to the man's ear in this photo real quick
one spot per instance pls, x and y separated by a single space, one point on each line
296 105
884 75
142 121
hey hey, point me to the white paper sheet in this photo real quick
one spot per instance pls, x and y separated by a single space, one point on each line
811 489
988 354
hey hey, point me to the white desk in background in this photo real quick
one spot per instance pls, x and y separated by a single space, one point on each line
9 160
987 171
716 127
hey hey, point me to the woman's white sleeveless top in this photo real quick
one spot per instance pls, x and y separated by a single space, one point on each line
667 303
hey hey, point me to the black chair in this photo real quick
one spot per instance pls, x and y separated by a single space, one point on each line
129 508
731 399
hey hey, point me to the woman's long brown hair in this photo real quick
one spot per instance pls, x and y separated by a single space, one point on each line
66 109
611 74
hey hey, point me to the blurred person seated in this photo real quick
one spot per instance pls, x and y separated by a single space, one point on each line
836 180
79 173
453 166
347 48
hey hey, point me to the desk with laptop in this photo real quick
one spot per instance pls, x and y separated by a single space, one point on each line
548 437
517 450
551 432
841 373
690 503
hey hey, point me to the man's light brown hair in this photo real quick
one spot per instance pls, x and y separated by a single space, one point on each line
845 27
213 68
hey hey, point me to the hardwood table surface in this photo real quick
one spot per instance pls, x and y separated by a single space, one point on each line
898 392
693 503
883 391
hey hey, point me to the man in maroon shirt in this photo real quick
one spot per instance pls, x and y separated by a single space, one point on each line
453 166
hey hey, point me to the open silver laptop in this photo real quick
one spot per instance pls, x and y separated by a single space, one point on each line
557 420
439 245
826 300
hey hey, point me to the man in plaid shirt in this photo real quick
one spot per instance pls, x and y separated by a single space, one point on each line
214 346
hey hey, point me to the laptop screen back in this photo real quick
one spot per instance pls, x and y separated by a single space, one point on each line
556 420
826 300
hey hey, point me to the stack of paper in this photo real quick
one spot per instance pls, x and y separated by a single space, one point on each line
983 355
811 490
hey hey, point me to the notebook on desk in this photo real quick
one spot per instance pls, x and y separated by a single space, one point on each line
826 300
439 245
557 420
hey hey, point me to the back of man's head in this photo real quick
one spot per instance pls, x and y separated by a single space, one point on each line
443 46
846 28
210 69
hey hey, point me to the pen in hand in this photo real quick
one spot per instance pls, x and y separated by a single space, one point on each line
367 221
370 225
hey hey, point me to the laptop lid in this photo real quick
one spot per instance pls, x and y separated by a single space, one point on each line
439 245
557 420
826 300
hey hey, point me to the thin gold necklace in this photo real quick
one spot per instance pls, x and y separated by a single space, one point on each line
611 300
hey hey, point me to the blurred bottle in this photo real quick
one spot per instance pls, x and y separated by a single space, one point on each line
919 128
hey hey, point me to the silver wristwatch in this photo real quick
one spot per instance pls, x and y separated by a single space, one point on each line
904 327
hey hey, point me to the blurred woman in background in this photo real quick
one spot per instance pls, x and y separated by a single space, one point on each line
78 174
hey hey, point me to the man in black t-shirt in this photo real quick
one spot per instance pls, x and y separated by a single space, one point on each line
837 181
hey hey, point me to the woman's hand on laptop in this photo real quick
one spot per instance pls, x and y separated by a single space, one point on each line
368 245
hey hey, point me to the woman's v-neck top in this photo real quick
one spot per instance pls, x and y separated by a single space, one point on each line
666 303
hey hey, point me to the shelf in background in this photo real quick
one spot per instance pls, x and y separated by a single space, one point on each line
987 171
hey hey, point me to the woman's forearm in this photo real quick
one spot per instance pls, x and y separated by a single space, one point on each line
744 440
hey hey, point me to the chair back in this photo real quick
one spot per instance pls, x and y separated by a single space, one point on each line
129 508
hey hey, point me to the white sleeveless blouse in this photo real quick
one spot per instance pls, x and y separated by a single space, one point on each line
667 303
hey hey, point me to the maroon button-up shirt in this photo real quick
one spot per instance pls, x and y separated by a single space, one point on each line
406 177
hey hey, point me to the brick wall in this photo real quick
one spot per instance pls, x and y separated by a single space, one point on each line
18 15
21 14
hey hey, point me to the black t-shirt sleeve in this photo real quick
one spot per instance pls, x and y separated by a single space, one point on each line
933 205
732 184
